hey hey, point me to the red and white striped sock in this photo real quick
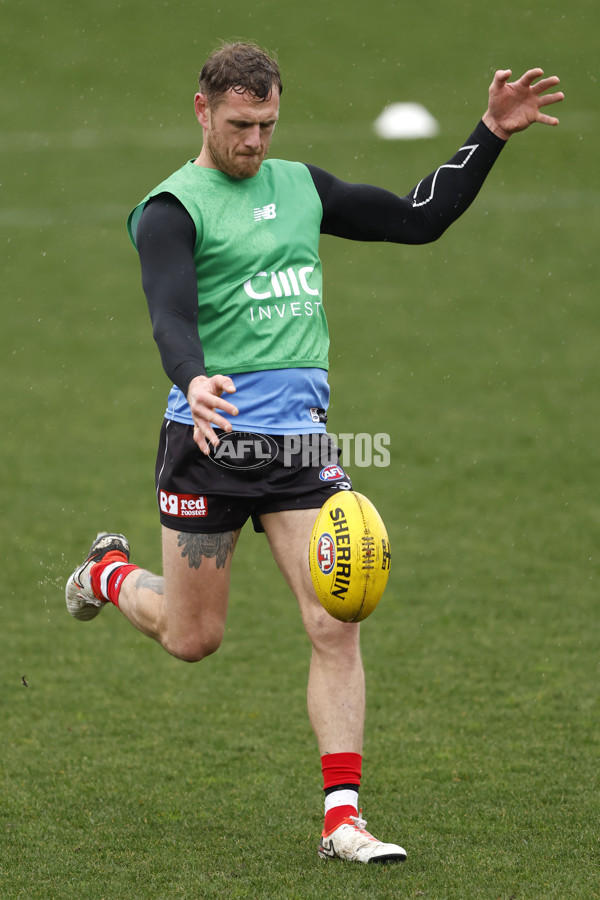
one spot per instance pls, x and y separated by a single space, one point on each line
341 781
108 575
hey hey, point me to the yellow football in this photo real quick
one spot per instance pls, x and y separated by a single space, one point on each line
349 556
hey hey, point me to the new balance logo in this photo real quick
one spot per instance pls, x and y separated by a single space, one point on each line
265 212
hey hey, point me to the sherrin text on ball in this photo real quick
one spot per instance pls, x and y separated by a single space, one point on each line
349 556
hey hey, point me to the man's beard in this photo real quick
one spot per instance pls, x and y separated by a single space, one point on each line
239 165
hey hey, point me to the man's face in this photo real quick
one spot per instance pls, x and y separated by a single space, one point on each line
237 132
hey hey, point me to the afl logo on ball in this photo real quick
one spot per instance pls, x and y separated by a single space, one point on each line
326 554
332 473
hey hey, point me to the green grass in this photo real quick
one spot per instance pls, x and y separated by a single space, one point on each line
127 774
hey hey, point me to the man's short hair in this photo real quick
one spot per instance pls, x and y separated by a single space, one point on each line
243 67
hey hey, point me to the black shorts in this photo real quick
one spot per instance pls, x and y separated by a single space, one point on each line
246 476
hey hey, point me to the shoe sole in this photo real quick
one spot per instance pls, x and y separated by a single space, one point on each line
386 858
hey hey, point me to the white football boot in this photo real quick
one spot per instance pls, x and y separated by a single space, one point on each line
349 840
82 603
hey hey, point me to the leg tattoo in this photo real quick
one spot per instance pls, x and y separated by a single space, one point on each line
197 546
155 583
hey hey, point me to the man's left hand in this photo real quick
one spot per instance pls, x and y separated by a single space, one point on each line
514 106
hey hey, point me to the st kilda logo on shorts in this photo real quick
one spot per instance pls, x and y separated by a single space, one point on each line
326 554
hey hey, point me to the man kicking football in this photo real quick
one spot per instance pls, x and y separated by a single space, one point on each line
229 253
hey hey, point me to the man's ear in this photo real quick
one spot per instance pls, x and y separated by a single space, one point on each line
201 108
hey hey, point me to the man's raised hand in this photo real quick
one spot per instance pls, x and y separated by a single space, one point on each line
514 106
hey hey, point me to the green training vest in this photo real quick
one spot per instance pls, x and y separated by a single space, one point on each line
260 303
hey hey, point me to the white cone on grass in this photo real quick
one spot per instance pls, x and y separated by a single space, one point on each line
404 122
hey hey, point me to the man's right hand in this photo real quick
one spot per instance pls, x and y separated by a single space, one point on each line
204 397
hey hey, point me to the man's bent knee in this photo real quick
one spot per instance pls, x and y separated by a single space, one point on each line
191 647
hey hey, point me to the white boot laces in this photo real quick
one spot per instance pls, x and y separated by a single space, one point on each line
359 822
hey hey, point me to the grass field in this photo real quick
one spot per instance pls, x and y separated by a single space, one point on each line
127 774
